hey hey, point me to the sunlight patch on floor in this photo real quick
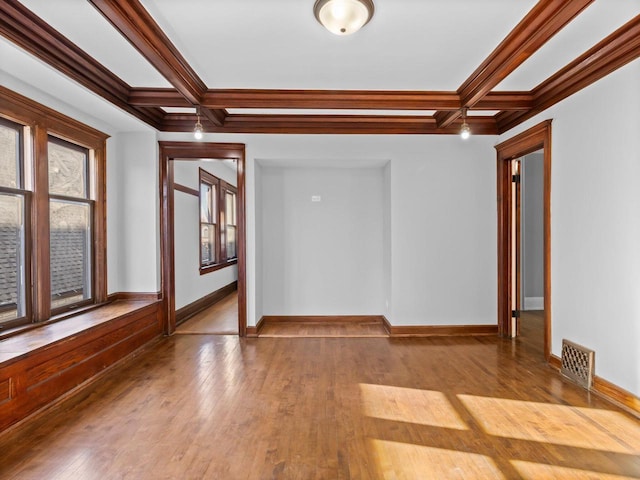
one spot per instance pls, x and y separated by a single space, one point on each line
423 407
403 460
555 424
536 471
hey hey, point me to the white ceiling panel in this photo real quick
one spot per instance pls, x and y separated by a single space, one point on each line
31 77
87 28
408 45
598 21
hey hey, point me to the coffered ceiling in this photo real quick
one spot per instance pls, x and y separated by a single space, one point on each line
261 66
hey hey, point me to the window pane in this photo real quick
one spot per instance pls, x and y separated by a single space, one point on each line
231 242
70 252
67 171
230 205
207 243
207 203
9 157
12 285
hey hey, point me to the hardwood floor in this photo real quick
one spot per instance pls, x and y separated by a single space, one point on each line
219 319
222 407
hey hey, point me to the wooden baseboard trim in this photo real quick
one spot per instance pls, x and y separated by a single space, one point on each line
321 318
387 325
439 330
555 362
254 332
616 395
143 296
205 302
607 390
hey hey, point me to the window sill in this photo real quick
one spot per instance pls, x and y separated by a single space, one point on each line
28 338
218 266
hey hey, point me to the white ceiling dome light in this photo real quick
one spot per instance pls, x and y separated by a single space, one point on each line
343 17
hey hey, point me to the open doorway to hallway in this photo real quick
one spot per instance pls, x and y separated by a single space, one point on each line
522 261
206 236
205 246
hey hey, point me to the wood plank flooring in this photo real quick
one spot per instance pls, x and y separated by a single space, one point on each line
222 407
220 318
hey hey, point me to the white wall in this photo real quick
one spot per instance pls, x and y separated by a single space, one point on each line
595 224
132 213
190 285
326 257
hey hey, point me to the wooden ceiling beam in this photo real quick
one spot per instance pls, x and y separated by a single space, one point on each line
133 21
330 124
157 97
544 20
28 31
615 51
330 99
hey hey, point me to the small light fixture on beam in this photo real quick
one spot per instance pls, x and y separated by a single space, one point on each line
197 130
343 17
465 130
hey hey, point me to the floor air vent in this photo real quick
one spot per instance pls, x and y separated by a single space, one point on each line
577 363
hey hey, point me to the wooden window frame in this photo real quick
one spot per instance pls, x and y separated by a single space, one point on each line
44 123
221 187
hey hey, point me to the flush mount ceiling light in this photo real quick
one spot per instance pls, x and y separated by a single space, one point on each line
197 130
465 130
343 17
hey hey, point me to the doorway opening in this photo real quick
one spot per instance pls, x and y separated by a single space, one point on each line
198 153
513 302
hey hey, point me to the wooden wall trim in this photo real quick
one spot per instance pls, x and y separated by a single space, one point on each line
616 395
135 296
544 20
331 124
321 318
441 330
607 390
205 302
185 189
254 332
195 151
330 99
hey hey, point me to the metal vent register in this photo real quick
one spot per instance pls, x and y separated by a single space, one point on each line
577 363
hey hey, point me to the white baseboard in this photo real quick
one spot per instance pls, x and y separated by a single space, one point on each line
534 303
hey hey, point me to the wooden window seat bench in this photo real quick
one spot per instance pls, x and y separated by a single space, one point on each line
40 365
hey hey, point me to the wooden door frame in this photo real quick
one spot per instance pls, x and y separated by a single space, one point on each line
194 151
535 138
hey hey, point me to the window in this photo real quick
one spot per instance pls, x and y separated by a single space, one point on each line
70 218
13 225
52 225
218 223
